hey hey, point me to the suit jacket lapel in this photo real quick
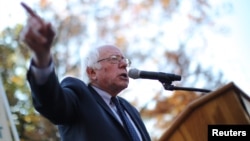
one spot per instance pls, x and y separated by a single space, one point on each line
102 103
135 118
127 108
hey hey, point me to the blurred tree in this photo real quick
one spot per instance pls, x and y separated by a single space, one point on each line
158 32
14 59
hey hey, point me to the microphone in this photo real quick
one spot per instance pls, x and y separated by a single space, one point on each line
163 77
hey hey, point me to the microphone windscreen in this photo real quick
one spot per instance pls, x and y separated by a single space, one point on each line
134 73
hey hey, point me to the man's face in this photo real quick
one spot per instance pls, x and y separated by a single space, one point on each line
112 77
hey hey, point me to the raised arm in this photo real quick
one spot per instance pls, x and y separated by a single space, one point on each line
38 35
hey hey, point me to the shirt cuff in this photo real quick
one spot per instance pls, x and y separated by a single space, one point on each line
41 75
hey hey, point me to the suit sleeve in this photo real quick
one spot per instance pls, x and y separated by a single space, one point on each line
56 103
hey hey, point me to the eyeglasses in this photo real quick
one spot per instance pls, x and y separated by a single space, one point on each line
115 59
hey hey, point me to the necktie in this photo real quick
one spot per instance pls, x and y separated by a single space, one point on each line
125 119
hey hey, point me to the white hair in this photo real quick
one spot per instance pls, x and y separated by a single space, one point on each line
92 58
90 61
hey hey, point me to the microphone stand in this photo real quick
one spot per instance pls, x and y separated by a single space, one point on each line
167 85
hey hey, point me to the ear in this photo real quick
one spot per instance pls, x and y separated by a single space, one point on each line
91 73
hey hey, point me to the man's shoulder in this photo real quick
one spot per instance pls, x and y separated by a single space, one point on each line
71 78
73 81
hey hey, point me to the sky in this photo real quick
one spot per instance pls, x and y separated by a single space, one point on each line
232 58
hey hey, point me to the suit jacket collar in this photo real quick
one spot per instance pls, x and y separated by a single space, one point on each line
103 104
136 119
100 100
129 109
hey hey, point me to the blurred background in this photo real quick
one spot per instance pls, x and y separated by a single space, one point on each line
204 41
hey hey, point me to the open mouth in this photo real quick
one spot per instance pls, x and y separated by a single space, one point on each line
124 75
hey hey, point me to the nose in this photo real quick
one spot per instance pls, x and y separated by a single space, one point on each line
124 63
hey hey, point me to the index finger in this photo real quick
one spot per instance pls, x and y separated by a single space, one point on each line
29 10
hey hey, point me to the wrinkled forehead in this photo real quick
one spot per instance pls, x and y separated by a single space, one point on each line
106 51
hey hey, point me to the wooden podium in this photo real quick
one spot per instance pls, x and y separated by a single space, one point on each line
227 105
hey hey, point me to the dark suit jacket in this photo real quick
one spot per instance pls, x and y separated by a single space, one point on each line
80 113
